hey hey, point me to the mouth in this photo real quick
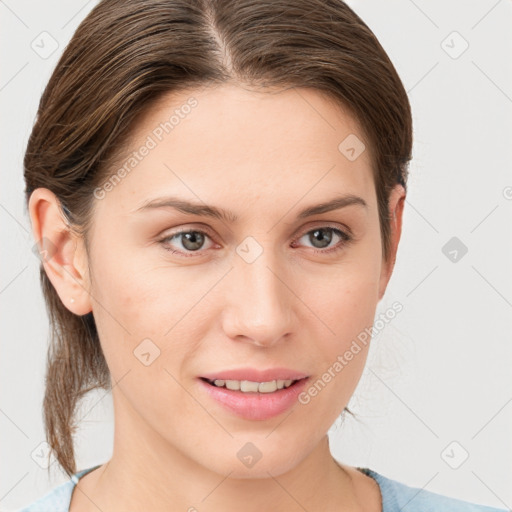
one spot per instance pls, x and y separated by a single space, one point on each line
247 386
253 400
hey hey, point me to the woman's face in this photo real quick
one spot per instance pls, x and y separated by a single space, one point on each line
269 289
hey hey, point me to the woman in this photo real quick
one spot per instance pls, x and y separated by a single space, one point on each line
217 189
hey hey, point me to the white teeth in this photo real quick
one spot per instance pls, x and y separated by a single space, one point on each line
233 384
247 386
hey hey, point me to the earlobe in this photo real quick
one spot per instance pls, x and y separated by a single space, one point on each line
61 251
396 206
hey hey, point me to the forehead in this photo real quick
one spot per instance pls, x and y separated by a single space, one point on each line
238 145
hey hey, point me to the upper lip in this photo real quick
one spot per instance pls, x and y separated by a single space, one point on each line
255 375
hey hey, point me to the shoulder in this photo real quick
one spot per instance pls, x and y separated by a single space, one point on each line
397 496
58 499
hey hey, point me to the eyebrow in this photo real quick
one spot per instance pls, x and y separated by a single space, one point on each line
221 214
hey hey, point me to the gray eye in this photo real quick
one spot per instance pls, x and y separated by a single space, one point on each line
320 237
191 240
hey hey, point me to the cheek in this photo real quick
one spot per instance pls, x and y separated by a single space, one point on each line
345 298
142 307
346 304
128 292
348 316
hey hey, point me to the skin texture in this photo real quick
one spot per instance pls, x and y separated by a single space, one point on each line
264 156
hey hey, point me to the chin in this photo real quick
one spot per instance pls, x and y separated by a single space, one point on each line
249 462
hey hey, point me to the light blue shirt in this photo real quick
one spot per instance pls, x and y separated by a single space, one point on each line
396 497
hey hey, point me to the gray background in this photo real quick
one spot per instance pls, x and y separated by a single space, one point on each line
437 386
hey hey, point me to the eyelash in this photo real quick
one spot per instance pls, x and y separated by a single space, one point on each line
346 239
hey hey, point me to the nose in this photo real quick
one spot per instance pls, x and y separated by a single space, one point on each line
259 302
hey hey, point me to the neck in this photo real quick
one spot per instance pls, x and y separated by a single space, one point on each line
149 474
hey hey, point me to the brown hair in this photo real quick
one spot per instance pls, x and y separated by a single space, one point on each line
127 53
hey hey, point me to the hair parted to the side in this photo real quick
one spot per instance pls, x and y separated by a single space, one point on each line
127 53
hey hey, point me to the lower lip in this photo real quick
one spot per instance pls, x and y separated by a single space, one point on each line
254 405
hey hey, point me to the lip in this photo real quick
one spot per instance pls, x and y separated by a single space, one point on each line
256 375
255 406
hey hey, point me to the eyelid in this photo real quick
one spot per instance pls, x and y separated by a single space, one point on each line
326 224
203 228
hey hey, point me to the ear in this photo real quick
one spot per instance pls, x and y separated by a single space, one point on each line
62 251
396 206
